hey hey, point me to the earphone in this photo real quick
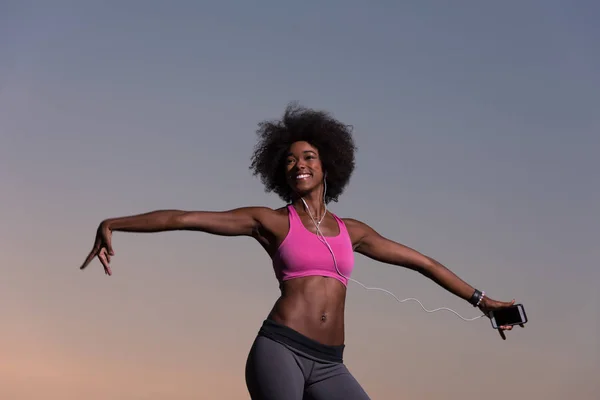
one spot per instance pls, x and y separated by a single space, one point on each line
322 238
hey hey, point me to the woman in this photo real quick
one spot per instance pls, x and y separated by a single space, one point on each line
307 158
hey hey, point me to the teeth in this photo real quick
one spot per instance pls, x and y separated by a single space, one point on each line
303 176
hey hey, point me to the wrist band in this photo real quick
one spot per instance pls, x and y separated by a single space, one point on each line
480 298
476 298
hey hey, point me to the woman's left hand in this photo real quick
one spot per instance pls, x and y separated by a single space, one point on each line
488 305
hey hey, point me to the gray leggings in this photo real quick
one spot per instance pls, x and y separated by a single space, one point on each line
276 371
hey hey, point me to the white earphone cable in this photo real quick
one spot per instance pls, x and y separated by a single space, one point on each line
322 238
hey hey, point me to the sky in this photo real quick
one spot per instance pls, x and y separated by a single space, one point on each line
477 129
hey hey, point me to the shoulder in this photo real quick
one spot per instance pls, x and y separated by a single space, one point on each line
260 210
268 224
258 215
273 212
357 230
355 224
268 217
261 213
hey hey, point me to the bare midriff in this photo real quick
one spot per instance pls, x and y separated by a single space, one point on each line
314 307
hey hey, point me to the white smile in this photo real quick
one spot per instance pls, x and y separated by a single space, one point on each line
302 176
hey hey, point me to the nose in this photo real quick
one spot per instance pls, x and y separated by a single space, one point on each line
300 165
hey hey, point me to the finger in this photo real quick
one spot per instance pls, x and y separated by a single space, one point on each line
503 304
106 266
93 252
90 257
502 335
104 261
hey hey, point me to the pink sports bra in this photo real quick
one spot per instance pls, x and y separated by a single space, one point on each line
302 253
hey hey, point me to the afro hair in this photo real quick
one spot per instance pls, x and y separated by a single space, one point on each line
332 139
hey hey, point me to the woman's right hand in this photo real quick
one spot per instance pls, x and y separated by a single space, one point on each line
102 248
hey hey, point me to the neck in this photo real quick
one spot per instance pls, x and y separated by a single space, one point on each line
315 203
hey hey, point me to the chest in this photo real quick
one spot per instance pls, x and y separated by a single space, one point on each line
303 251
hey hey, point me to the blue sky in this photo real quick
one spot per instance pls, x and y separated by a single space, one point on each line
477 131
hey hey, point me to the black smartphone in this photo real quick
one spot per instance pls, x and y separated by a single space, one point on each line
513 315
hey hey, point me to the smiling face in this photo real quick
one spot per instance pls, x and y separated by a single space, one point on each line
303 168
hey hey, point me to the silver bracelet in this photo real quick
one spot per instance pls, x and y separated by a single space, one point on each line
480 298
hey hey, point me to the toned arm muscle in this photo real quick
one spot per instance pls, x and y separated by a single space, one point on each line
237 222
247 221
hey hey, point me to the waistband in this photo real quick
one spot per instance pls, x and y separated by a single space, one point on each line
286 335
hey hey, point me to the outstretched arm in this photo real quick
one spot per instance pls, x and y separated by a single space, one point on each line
238 222
368 242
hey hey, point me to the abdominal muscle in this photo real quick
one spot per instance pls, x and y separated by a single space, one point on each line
314 307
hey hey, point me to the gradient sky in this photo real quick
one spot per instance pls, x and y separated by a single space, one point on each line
477 126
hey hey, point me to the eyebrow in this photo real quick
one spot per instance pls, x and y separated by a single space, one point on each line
304 152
